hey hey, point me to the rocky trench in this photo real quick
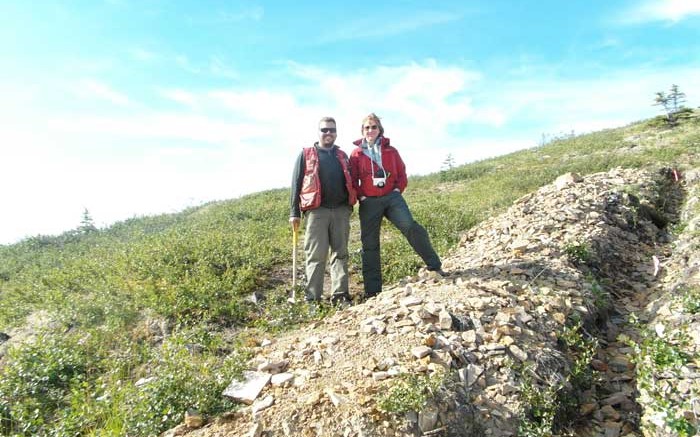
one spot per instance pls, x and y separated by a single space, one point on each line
529 333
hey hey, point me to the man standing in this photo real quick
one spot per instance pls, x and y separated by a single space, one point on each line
322 190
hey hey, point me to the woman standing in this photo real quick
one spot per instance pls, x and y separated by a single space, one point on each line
379 176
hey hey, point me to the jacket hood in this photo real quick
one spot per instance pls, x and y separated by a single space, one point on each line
384 141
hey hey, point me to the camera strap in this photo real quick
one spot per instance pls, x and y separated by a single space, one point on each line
379 164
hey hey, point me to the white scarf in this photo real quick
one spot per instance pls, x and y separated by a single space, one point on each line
374 151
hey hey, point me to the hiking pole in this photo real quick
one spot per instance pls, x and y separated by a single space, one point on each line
295 237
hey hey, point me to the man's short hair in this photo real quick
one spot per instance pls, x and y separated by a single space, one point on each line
327 119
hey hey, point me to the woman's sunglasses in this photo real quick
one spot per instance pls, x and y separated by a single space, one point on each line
373 127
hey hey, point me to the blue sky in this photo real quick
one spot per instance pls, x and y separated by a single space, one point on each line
131 108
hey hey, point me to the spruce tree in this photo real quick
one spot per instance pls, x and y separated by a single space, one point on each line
86 224
671 102
448 163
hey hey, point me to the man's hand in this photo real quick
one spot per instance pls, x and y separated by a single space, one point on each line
295 222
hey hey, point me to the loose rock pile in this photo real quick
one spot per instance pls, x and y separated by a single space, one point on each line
672 316
576 256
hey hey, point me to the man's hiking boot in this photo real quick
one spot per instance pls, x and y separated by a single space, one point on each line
341 301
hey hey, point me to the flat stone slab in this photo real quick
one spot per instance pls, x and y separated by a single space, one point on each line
248 389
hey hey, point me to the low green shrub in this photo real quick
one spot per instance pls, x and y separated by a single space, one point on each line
75 384
539 406
410 392
39 375
690 299
578 252
656 353
179 378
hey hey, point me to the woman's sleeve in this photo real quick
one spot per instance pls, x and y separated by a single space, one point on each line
401 178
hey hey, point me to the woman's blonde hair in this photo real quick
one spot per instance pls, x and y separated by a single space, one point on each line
374 117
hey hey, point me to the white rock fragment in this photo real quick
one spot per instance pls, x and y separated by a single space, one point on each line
518 353
335 398
282 379
144 381
473 373
411 301
255 430
421 351
428 417
262 404
273 366
247 390
445 320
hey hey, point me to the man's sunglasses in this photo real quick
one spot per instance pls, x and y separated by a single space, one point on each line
373 127
328 130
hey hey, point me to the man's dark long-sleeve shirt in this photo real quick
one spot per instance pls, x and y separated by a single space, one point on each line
334 193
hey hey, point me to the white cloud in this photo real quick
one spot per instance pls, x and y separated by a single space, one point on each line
218 67
661 10
235 141
255 13
625 95
607 43
184 62
260 105
359 28
31 176
96 89
165 126
180 96
142 54
418 102
227 17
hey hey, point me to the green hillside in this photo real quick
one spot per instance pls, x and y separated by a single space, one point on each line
99 311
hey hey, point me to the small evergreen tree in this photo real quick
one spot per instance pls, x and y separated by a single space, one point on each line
677 98
86 224
448 163
671 102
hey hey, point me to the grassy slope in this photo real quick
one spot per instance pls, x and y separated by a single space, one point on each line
192 271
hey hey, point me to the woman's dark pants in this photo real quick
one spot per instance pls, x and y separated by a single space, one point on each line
394 208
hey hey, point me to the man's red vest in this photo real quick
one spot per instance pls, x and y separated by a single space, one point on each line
310 193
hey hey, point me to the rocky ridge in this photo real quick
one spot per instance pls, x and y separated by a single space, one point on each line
506 332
